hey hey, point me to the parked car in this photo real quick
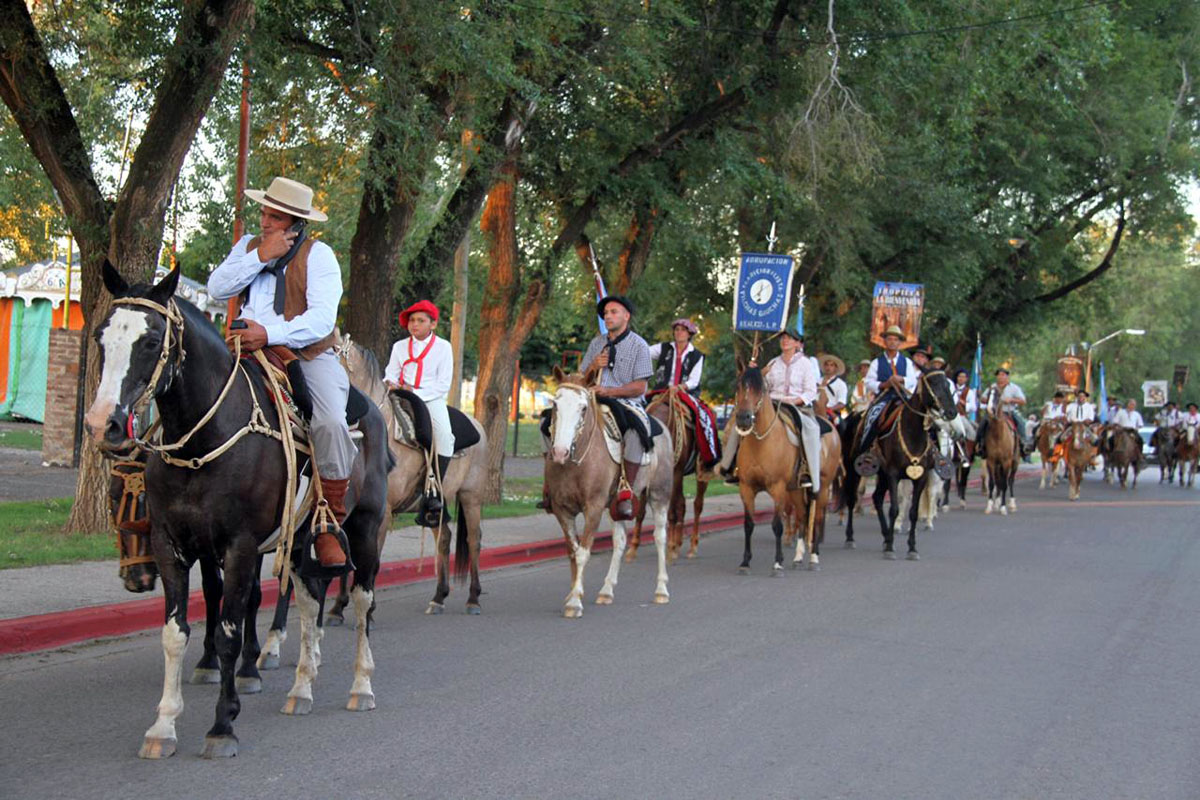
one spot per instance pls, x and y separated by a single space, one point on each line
723 412
1146 431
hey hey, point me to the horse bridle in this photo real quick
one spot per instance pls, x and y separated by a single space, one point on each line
173 341
592 404
762 396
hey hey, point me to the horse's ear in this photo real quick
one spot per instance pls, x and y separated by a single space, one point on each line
113 281
164 290
589 377
558 373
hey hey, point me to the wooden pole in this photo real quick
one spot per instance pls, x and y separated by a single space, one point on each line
233 308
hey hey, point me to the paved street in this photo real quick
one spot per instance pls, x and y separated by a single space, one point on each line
1051 653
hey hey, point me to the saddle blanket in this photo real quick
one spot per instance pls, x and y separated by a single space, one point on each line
411 425
704 422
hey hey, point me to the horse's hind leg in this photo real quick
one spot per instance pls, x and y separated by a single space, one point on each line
635 540
300 697
747 528
697 510
248 680
208 668
159 740
441 568
364 550
471 518
1012 487
887 520
777 529
277 634
913 514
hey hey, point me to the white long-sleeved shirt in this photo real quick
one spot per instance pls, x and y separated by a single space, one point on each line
242 268
791 379
835 392
1053 411
1128 419
910 374
1076 412
693 379
966 395
437 369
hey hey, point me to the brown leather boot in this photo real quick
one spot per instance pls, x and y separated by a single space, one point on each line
329 549
624 504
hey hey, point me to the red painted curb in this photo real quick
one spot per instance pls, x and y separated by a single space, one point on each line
61 628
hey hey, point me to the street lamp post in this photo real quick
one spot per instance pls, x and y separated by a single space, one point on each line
1088 370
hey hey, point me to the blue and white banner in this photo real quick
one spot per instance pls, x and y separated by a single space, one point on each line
1102 408
764 291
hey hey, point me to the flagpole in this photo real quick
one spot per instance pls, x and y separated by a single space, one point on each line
771 240
601 292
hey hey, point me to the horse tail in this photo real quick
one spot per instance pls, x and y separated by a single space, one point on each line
462 546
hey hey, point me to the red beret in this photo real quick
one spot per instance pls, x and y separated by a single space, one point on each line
422 305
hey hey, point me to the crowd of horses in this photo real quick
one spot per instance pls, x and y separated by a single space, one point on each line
215 483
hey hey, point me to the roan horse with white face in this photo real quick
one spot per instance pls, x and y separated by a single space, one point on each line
581 477
215 489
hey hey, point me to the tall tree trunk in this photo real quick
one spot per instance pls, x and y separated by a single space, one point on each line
635 250
129 233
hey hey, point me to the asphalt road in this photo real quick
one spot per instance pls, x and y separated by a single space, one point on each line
1051 653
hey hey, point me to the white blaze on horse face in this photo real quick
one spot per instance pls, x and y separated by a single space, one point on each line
124 328
569 408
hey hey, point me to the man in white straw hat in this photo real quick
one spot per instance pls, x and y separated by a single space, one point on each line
290 286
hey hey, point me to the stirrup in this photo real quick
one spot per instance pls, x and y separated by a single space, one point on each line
432 512
310 565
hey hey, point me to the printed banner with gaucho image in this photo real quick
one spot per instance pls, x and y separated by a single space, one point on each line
899 304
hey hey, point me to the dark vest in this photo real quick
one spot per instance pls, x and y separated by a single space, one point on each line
884 370
664 371
295 298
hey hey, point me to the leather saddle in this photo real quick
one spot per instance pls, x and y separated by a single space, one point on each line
413 427
286 366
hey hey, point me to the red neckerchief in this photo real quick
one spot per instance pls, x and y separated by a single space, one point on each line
418 360
678 364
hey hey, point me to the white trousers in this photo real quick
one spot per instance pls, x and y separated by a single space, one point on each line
443 435
810 442
329 387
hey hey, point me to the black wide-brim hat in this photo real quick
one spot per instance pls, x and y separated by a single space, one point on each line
614 298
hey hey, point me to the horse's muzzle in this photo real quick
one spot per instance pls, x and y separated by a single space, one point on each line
110 434
745 419
559 455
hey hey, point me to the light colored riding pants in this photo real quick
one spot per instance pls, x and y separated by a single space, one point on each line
443 435
329 386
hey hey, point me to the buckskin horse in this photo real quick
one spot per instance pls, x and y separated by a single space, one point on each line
766 462
583 477
1003 456
676 417
217 492
906 452
1188 450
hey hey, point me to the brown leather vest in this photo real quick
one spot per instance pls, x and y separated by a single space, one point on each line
295 298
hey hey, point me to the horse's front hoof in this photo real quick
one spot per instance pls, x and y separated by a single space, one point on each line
691 553
889 555
474 610
777 570
604 599
743 570
1004 511
434 608
219 747
297 706
851 545
334 620
962 503
361 702
630 556
201 676
797 563
248 684
268 661
157 748
814 566
912 556
661 598
570 612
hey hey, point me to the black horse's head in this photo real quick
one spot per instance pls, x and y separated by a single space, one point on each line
131 341
941 393
751 388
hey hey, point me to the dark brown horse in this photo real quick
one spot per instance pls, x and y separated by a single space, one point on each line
1126 454
905 451
216 493
1188 450
1165 440
677 418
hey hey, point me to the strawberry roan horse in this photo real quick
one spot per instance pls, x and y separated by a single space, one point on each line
203 505
582 478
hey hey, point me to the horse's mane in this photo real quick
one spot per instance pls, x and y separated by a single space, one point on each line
752 379
199 324
370 362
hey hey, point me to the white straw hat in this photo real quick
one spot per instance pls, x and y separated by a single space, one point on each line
288 196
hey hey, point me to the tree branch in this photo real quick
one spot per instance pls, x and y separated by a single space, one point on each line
1101 268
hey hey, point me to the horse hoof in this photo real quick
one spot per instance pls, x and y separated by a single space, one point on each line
661 598
987 510
434 608
813 566
630 556
474 610
1004 511
777 570
691 554
570 612
743 570
334 621
247 684
604 599
361 702
850 545
296 706
912 556
157 748
889 555
202 676
268 661
219 747
797 563
962 504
